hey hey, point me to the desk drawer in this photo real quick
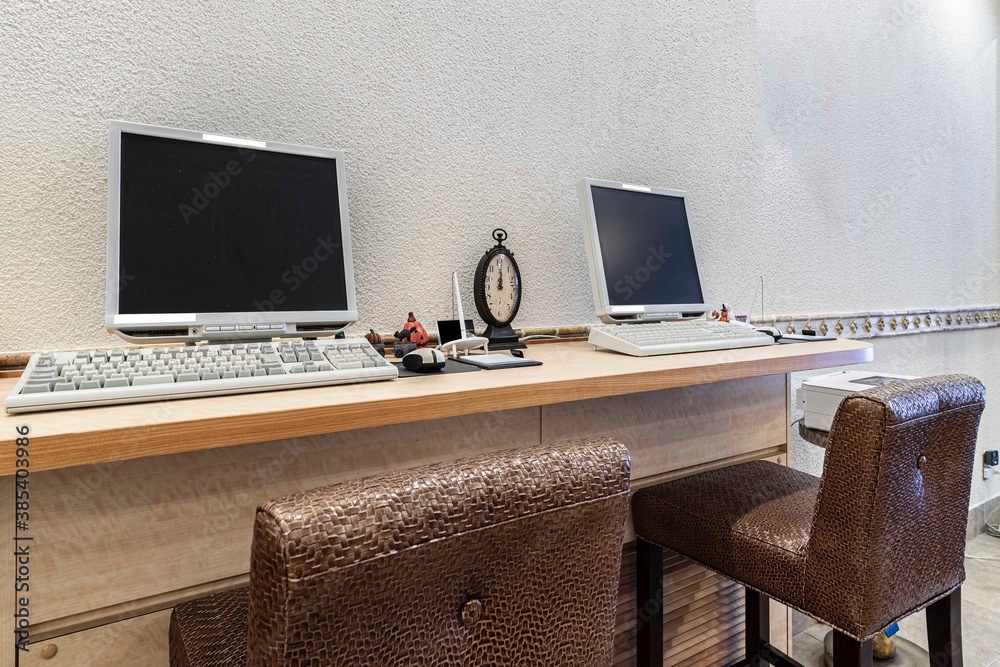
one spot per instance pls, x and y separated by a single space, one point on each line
136 642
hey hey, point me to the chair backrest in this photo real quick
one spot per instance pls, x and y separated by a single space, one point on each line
506 558
888 535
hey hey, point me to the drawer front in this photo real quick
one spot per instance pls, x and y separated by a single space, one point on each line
136 642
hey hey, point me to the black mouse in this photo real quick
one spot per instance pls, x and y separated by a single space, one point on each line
425 360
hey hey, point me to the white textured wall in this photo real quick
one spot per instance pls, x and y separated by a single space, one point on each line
847 149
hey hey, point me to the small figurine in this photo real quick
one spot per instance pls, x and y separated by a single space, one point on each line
723 316
400 350
413 332
376 341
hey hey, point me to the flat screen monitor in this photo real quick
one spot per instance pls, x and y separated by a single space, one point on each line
216 237
642 255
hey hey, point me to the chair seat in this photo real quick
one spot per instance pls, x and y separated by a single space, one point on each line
749 522
210 631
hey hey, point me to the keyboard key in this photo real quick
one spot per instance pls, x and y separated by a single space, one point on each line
145 380
38 382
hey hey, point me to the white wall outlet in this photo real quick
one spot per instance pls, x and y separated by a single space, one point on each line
991 459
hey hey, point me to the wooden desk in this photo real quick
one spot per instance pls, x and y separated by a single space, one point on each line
135 508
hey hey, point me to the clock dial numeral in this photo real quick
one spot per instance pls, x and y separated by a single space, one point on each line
500 287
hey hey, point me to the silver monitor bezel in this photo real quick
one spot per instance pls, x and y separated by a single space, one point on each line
165 327
602 302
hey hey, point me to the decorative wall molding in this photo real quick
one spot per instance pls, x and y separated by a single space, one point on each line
879 324
858 325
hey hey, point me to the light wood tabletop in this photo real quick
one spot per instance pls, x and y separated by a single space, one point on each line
571 371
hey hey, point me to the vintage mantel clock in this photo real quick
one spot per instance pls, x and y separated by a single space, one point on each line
498 293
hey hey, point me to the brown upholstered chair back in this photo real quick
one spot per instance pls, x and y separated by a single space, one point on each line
888 535
509 558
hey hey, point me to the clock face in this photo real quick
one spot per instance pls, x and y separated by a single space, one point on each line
499 287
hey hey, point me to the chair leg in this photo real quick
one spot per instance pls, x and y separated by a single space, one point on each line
757 626
649 604
944 631
849 652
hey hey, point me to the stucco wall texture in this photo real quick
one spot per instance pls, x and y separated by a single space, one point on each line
846 150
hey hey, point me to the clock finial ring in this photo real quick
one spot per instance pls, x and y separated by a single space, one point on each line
499 235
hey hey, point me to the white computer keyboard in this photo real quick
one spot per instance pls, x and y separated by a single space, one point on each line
643 340
54 381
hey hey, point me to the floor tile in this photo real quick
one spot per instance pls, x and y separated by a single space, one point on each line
818 631
984 546
980 632
800 622
982 583
808 650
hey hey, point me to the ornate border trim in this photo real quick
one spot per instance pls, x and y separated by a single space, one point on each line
879 324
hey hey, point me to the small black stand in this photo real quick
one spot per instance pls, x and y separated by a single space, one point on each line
503 338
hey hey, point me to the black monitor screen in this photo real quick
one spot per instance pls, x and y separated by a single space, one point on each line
207 228
647 249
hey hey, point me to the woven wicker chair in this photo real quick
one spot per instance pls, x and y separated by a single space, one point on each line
881 536
509 558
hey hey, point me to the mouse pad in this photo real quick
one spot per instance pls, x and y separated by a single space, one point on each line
450 366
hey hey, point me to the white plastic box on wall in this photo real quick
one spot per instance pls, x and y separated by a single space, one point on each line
820 396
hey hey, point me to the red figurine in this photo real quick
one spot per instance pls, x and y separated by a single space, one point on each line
413 332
